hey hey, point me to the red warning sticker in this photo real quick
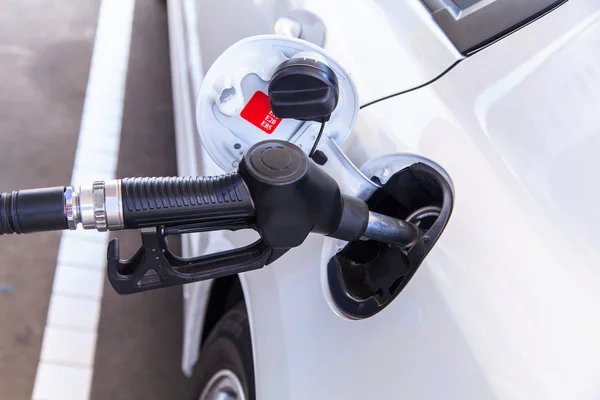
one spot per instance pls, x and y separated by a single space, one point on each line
258 113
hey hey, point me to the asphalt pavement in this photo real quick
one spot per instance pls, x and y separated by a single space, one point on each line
45 52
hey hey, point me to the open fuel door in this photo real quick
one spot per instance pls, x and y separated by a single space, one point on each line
233 110
237 108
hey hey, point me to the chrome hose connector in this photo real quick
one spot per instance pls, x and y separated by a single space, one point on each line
113 205
71 207
98 206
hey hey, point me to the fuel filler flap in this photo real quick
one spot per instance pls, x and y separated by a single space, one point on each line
233 110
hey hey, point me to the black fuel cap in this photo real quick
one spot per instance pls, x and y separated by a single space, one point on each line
304 89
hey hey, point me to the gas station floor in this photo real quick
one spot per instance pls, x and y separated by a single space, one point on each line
45 54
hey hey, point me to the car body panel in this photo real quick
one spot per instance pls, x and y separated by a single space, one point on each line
516 268
503 306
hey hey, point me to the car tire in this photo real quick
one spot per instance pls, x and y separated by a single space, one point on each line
225 362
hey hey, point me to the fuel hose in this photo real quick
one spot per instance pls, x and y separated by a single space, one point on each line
277 190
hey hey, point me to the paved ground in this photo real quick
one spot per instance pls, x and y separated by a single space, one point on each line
45 50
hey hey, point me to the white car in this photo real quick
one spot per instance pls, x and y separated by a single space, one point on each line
502 99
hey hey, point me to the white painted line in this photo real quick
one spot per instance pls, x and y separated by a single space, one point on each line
95 161
69 312
68 347
83 251
66 364
61 382
78 282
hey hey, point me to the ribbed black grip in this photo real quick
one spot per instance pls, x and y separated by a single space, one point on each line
34 210
184 200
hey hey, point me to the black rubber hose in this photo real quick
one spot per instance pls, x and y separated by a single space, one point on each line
151 202
35 210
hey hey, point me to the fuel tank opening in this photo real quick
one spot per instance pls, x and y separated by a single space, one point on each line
365 276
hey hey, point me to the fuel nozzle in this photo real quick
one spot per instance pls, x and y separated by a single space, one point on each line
277 191
293 197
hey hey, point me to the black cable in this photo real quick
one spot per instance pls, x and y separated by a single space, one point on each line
314 148
412 89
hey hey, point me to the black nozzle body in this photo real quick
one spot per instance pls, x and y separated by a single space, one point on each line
292 195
